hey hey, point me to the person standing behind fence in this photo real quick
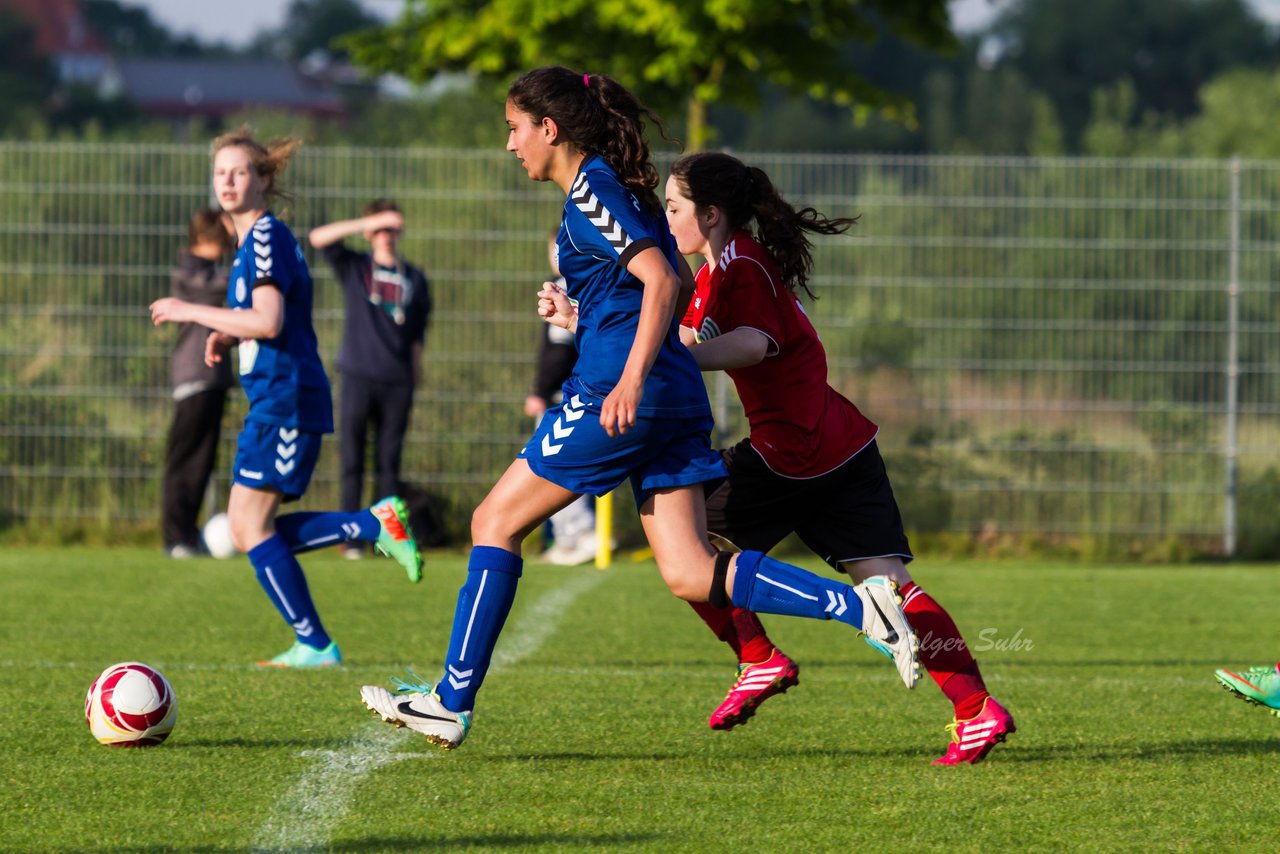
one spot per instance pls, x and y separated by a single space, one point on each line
269 316
388 304
199 390
573 528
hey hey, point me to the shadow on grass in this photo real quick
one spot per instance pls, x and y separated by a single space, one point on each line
1217 748
257 743
564 841
757 754
1011 660
570 842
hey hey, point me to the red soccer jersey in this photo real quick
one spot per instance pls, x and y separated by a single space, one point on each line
800 425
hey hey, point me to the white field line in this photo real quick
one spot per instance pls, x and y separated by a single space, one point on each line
304 818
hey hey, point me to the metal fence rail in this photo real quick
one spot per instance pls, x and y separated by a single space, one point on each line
1081 350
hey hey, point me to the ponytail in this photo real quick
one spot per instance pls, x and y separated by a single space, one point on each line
600 116
745 193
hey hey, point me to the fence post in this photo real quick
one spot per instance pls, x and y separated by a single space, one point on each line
1230 449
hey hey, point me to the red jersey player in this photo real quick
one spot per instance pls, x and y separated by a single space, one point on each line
810 465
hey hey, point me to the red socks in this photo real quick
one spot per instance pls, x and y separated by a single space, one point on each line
943 651
740 629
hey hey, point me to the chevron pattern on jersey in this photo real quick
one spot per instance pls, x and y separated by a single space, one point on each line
262 247
595 211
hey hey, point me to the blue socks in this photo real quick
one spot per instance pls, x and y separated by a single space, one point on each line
303 532
770 586
282 579
483 604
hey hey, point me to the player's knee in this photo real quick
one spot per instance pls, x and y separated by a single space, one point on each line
893 567
688 581
245 535
489 527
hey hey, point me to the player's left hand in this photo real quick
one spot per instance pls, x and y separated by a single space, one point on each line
618 412
169 309
554 307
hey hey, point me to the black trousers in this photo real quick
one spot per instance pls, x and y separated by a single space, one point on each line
189 457
383 408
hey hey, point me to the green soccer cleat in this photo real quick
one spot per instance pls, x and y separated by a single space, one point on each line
1257 685
303 657
395 537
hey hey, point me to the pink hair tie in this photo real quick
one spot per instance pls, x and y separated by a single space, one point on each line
586 80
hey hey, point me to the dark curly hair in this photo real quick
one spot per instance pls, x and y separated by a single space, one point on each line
598 115
744 193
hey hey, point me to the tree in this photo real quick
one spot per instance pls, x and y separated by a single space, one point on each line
131 31
1167 49
26 77
674 53
1238 117
312 25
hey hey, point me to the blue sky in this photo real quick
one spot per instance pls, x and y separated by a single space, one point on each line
235 21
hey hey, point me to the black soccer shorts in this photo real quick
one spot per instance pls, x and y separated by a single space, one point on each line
844 515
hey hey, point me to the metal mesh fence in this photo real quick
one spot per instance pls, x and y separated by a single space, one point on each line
1079 350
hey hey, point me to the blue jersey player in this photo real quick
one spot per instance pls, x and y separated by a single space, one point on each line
635 409
268 316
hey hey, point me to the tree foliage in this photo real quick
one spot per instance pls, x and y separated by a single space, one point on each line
131 31
1238 116
26 78
1166 49
674 53
312 25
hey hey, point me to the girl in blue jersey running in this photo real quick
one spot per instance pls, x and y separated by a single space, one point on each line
269 317
635 408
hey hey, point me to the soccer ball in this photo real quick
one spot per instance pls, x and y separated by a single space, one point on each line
130 705
217 536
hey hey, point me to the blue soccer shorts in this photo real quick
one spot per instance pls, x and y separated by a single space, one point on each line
269 456
572 450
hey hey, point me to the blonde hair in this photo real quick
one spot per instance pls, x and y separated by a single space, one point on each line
268 160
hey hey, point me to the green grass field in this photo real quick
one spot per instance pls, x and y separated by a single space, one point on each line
591 734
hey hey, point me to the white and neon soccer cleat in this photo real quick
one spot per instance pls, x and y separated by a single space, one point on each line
885 627
416 705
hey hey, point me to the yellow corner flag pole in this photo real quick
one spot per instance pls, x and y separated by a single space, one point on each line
604 531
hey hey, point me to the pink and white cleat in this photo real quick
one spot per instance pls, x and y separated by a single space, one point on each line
973 739
755 684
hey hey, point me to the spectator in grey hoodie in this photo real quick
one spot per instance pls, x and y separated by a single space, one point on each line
199 391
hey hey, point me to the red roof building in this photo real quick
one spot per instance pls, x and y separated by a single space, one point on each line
79 55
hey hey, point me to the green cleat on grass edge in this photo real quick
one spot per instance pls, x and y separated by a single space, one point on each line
303 657
1257 685
395 537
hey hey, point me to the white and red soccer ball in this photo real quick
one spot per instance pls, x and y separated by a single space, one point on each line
131 705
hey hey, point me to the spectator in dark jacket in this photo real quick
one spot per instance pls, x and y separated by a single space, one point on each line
388 304
199 391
